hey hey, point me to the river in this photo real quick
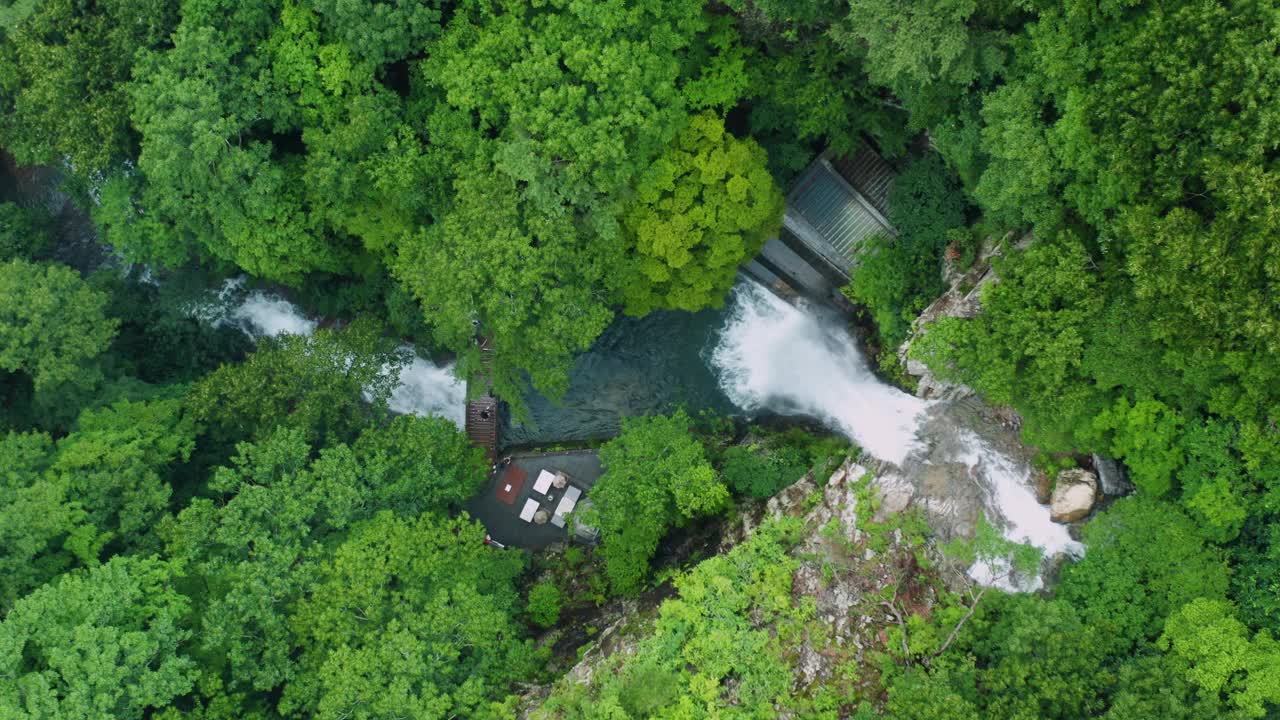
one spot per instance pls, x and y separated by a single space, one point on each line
758 355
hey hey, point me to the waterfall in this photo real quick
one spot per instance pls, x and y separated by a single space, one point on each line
424 389
772 355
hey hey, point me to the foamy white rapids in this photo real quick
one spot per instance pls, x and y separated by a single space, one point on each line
772 355
424 389
427 389
1008 485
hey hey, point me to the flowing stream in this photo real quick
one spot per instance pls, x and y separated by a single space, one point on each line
425 388
945 455
757 355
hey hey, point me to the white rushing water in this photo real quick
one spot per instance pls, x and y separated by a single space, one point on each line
424 389
772 355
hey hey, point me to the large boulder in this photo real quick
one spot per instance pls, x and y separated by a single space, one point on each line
1073 495
1112 477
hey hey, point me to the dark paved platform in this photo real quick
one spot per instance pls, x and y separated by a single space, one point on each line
502 519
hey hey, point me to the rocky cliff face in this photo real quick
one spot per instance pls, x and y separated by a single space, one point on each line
845 565
961 300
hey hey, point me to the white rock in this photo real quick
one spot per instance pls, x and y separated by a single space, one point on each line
1073 495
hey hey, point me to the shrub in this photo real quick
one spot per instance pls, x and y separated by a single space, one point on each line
544 604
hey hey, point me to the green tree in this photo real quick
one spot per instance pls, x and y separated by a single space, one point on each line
411 618
532 282
1213 649
1149 686
108 642
656 475
43 530
65 73
24 232
1145 434
1027 347
52 325
703 208
720 629
115 464
316 383
760 472
543 605
384 31
530 245
418 464
1144 558
259 543
927 53
897 277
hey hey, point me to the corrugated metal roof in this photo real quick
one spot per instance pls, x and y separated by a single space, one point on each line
835 210
869 174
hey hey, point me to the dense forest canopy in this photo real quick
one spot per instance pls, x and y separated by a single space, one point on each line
194 526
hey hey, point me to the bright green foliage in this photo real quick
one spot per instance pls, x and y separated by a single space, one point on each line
97 644
1144 434
656 475
1144 558
51 325
1214 650
897 277
114 465
43 531
310 382
64 79
24 232
703 208
716 630
408 618
543 605
1213 481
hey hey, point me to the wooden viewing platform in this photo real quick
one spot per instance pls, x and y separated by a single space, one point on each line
482 411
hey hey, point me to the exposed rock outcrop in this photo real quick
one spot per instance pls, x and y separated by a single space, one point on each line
1111 477
961 300
1074 494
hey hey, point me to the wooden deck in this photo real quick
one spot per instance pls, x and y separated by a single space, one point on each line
482 411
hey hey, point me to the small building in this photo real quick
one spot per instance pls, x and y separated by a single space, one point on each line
834 208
